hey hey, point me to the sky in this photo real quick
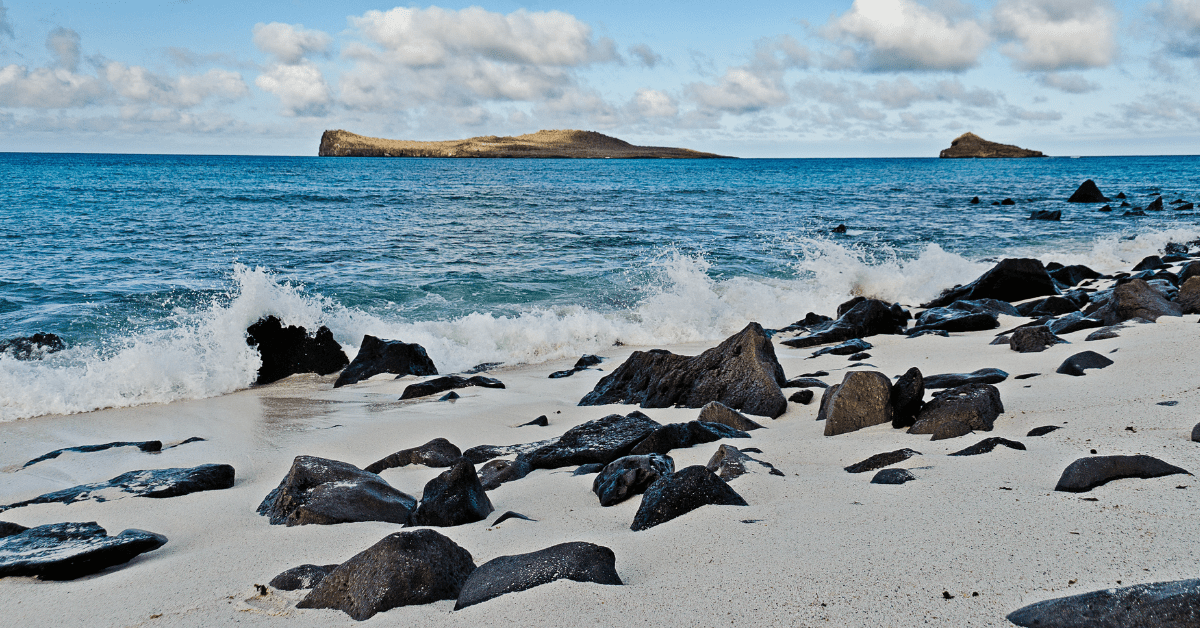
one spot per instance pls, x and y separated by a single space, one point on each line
858 78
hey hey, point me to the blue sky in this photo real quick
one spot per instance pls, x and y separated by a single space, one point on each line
858 78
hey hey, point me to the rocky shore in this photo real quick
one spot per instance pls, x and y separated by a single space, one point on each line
563 144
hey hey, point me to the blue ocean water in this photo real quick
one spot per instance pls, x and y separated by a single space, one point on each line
151 267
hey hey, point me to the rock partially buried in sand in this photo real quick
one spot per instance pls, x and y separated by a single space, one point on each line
1010 280
1075 321
149 445
1154 605
852 346
66 551
438 452
974 406
290 350
1088 192
455 497
804 397
442 384
1104 333
581 364
729 463
377 356
1196 433
1033 339
805 382
953 380
893 476
628 476
404 568
498 472
742 373
157 483
717 412
601 440
684 435
541 421
1080 362
578 561
680 493
862 399
885 459
1042 431
987 445
1088 473
324 492
302 577
508 514
954 320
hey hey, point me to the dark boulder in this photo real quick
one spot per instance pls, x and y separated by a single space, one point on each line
1010 280
1050 306
32 347
438 452
588 469
854 345
893 476
803 397
455 497
1155 205
1043 430
810 320
730 463
975 406
7 528
66 551
879 461
156 483
1154 605
684 435
1043 214
907 398
1088 192
804 382
290 350
578 561
1186 206
1075 321
717 412
325 492
869 317
541 421
1008 201
302 577
1104 333
974 200
987 445
601 440
862 399
377 356
950 429
952 320
480 454
1073 275
1088 473
680 493
1151 262
497 472
952 380
742 373
628 476
1189 296
148 446
442 384
1078 363
1033 339
1196 433
404 568
581 364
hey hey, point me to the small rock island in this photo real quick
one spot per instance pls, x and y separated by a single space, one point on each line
969 145
570 144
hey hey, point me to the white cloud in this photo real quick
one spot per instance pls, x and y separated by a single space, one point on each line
48 88
1069 83
645 55
653 103
137 84
902 35
1049 35
290 43
900 93
1181 21
754 86
6 27
300 88
64 45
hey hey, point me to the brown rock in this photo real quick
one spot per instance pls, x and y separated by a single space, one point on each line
1189 296
970 145
1136 299
862 399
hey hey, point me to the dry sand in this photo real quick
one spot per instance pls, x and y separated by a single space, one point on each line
829 548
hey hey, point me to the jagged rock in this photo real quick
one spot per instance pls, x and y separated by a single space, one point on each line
1154 605
601 440
66 551
854 345
455 497
953 380
324 492
1189 296
541 421
975 406
442 384
987 445
952 320
893 476
302 577
438 452
862 399
1088 192
158 483
404 568
838 229
680 493
717 412
1150 262
1010 280
628 476
480 454
1043 214
509 515
1186 206
1104 333
742 373
684 435
1074 274
377 356
869 317
32 347
969 145
810 320
497 472
879 461
1075 321
978 306
1078 363
1050 306
804 397
1088 473
1155 205
290 350
149 445
1043 430
1033 339
729 463
907 397
1120 195
805 382
578 561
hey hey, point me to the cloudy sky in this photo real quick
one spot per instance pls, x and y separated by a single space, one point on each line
862 78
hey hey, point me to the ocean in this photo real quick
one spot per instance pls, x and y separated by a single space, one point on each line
152 266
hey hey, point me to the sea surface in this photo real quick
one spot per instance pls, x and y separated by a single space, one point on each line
151 267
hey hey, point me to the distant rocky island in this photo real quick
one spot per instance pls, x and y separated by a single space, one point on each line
570 144
969 145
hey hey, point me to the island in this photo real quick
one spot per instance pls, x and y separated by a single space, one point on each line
570 144
969 145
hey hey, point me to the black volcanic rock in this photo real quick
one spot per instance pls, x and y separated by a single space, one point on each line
742 373
1043 430
628 476
952 380
862 399
578 561
1088 473
449 382
1155 205
1135 299
1078 363
1075 321
66 551
157 483
680 493
1154 605
325 492
1088 192
1010 280
148 445
730 463
987 445
954 320
404 568
1032 339
438 452
804 397
854 345
893 476
1150 262
907 398
1050 306
601 440
32 347
302 577
868 317
684 435
879 461
1074 274
290 350
377 356
497 472
454 497
580 364
975 406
